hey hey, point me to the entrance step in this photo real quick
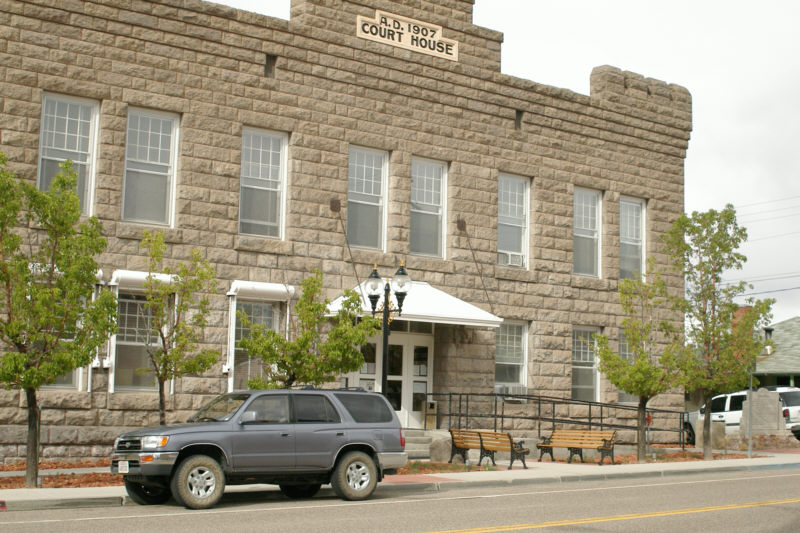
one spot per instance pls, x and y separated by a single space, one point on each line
418 443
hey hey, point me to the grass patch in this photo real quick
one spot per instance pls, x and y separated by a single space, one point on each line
427 467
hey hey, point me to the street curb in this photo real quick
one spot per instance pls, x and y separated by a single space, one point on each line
62 503
404 488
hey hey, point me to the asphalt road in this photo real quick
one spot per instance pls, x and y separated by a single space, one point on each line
763 501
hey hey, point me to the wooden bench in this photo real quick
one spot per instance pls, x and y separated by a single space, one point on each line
488 442
575 440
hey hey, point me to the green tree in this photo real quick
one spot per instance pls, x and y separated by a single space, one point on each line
177 306
49 322
721 336
652 339
309 356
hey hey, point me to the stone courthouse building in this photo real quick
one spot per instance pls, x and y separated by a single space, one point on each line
358 132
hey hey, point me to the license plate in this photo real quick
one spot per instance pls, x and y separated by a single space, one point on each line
123 467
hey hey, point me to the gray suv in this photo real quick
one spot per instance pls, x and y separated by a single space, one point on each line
296 439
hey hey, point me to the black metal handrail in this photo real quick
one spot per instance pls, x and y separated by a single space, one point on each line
461 408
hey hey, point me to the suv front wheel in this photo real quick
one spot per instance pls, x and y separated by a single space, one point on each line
355 476
198 482
145 494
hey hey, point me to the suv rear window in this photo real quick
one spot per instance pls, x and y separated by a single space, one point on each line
790 398
365 408
314 408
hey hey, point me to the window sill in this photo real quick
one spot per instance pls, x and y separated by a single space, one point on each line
254 243
513 273
133 230
582 281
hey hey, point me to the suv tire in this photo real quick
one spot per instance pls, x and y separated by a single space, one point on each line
146 494
300 491
198 482
355 476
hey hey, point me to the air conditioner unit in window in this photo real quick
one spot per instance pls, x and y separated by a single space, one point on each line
509 259
511 391
515 260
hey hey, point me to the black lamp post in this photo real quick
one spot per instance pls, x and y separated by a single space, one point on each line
400 284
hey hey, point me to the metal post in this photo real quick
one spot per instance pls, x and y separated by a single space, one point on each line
749 418
495 412
450 410
385 362
539 411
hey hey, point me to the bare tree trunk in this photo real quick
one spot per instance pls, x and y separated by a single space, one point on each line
641 440
708 452
162 403
32 447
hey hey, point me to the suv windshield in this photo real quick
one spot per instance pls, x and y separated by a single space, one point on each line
220 408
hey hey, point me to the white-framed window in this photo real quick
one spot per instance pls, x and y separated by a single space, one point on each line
586 232
262 302
512 221
69 132
366 197
631 237
584 364
511 340
625 351
262 196
135 334
245 367
151 155
128 358
428 186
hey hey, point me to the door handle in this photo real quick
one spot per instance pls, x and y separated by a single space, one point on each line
284 434
340 433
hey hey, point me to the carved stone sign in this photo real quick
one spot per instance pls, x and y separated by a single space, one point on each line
407 33
767 414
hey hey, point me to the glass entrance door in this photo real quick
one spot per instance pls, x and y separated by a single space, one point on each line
409 373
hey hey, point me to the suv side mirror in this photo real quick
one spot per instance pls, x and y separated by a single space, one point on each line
248 417
703 410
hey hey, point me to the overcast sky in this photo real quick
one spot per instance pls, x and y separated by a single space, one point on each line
741 62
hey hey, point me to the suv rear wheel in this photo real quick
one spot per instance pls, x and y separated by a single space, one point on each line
355 476
198 482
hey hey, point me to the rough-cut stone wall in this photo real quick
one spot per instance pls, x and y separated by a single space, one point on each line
330 90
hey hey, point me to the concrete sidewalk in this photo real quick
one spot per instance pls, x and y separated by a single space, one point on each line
537 473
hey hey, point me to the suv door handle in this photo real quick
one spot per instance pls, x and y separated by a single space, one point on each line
284 434
340 433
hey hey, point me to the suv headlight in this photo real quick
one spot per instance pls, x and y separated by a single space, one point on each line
151 442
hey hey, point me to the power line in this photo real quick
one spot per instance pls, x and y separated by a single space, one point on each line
765 277
769 292
767 202
774 236
769 211
767 219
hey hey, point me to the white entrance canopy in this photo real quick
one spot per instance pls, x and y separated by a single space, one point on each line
424 303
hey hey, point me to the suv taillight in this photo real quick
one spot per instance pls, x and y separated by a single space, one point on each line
786 414
402 438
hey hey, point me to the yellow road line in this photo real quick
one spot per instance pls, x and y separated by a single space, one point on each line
594 520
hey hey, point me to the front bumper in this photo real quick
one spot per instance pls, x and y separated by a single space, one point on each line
392 460
143 463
